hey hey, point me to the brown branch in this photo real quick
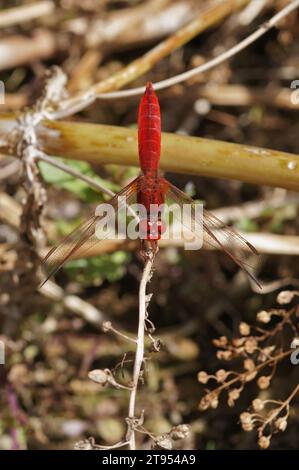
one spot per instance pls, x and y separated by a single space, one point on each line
19 50
209 16
23 13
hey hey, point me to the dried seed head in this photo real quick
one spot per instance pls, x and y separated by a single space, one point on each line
204 403
245 417
163 442
286 297
99 376
224 355
238 341
247 427
214 402
221 375
234 394
249 376
220 342
86 444
244 329
203 377
264 442
281 424
246 421
263 316
156 345
258 404
263 382
265 353
250 345
106 326
179 432
249 364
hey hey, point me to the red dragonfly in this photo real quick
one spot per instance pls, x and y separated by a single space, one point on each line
150 189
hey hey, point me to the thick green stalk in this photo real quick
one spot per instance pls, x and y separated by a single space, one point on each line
182 154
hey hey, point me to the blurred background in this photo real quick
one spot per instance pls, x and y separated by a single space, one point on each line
54 338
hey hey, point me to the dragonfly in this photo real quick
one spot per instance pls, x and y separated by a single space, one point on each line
151 189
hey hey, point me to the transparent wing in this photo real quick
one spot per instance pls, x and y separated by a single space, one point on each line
215 232
84 237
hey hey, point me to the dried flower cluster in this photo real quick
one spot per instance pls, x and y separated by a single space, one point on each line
268 416
260 351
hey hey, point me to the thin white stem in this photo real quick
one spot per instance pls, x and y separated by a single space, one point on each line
107 326
278 410
139 355
213 62
114 446
264 28
67 169
77 174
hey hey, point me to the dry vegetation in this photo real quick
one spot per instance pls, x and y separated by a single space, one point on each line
70 345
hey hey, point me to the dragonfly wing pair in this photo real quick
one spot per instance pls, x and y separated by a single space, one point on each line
86 237
215 233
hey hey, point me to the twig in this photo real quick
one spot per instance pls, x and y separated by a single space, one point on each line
284 405
265 243
89 444
240 95
139 356
207 65
14 101
23 13
255 209
73 303
209 16
252 11
71 171
18 50
107 326
146 22
10 169
77 174
245 375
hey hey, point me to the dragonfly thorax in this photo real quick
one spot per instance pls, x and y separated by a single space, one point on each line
150 190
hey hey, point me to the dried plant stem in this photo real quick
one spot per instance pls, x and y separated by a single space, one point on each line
240 95
265 243
108 144
18 50
139 355
23 13
95 92
73 303
102 144
284 405
209 16
258 368
76 174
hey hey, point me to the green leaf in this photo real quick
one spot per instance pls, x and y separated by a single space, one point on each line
97 269
247 225
60 179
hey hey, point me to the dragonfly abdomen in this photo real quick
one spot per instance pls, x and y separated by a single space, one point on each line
149 131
